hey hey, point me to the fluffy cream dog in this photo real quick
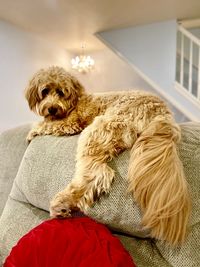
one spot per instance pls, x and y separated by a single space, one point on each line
111 123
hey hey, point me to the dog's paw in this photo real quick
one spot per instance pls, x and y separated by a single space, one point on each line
30 136
61 206
72 129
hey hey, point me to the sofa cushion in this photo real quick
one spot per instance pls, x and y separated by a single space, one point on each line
12 147
48 165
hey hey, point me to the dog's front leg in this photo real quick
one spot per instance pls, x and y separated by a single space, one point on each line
56 128
37 129
97 145
46 128
66 128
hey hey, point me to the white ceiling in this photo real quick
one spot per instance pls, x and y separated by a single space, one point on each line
73 22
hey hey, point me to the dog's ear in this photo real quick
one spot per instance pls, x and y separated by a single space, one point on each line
31 93
80 90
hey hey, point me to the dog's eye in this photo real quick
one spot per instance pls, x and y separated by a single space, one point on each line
45 92
60 92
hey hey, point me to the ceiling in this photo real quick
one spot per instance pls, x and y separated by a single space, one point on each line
72 22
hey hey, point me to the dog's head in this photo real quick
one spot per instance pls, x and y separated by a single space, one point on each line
53 93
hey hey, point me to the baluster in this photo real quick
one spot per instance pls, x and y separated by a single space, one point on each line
182 59
198 79
190 67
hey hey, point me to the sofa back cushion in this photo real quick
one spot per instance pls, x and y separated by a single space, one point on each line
48 166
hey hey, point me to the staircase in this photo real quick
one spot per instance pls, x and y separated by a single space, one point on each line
188 65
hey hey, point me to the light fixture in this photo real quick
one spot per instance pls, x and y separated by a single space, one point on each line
82 63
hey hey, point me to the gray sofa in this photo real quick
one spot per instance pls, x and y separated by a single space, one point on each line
31 174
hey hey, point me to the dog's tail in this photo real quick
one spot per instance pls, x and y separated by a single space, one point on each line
156 178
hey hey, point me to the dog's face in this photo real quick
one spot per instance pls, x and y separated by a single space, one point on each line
53 93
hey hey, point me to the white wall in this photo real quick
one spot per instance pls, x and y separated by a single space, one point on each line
111 73
21 54
151 49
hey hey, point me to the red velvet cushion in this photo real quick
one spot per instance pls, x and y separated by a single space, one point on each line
74 242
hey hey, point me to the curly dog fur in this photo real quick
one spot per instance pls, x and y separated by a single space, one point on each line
111 123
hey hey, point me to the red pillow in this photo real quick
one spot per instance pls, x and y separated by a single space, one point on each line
74 242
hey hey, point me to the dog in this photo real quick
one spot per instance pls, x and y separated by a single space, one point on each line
110 123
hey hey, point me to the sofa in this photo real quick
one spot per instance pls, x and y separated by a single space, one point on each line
31 174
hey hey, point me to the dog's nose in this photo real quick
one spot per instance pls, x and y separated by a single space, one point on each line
52 111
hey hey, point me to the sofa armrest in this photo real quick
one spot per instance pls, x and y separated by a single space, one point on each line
12 147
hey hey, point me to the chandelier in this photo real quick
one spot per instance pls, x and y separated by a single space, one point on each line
82 63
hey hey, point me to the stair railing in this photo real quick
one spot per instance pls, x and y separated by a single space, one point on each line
188 63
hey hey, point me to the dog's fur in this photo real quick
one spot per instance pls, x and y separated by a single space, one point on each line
111 123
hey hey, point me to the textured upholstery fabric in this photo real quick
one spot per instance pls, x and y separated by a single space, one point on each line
48 165
48 171
12 148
